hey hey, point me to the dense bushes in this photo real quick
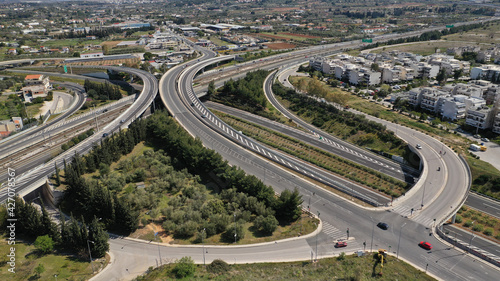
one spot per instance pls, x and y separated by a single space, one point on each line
102 91
175 175
324 114
246 94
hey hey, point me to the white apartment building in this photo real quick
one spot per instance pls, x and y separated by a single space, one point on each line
453 108
485 72
432 99
481 118
364 75
496 124
414 97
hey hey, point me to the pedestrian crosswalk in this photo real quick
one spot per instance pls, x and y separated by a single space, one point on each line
332 231
414 215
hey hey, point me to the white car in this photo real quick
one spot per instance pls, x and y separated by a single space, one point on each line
418 146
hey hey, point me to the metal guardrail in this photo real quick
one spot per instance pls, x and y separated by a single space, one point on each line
458 243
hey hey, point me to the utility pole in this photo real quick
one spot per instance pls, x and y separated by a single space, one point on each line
399 240
90 255
235 227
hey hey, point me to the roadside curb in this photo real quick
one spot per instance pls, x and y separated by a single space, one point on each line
111 260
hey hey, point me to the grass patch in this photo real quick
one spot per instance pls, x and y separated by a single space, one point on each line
485 177
481 223
350 267
66 267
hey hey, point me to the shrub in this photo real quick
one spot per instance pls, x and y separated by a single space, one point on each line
458 219
44 244
488 231
218 266
468 223
478 227
491 222
185 267
341 257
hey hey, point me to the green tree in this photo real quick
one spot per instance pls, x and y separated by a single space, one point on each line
39 270
126 220
211 88
184 267
441 77
100 237
44 244
289 206
423 116
58 178
266 224
148 56
104 169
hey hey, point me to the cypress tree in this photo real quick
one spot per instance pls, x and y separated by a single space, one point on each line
98 235
58 179
48 227
126 220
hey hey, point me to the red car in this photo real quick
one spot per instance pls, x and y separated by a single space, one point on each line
425 245
341 244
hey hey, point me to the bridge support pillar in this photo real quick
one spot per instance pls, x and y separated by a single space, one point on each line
453 218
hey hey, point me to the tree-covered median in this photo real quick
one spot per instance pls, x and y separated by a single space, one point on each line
353 127
181 185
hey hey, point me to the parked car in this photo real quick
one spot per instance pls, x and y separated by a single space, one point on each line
425 245
418 146
485 139
477 136
383 225
340 244
104 135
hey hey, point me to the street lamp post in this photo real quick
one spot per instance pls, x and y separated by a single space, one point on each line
203 234
159 253
317 241
90 255
235 227
373 229
399 240
472 235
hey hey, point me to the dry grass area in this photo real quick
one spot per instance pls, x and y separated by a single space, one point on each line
299 35
280 46
111 44
108 62
342 267
423 48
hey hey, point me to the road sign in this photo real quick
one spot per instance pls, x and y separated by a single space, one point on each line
65 69
450 26
367 40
